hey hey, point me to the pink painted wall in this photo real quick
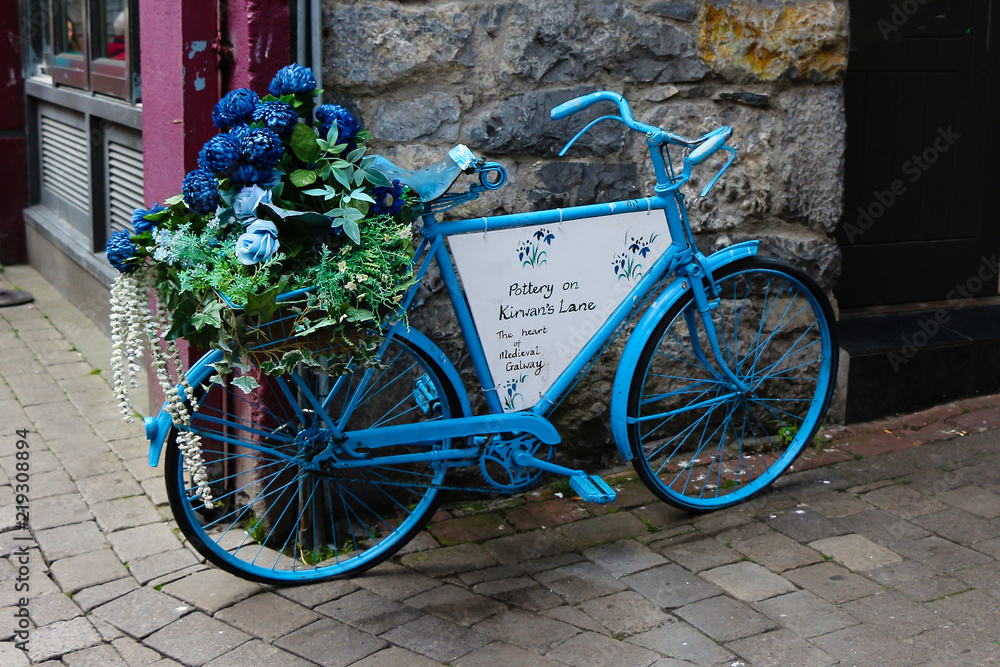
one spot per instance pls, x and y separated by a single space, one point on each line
260 34
13 145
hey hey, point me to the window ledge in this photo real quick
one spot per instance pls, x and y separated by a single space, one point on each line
70 241
101 106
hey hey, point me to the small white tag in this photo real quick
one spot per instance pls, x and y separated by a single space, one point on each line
462 156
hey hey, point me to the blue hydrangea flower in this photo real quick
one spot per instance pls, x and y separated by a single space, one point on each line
347 126
388 199
236 107
247 173
201 192
239 132
261 147
220 154
278 116
139 222
121 251
292 79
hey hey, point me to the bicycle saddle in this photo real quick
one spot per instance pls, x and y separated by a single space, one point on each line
433 181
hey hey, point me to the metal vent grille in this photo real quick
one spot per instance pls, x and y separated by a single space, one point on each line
124 185
65 162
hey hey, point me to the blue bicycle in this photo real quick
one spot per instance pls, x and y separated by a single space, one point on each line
725 377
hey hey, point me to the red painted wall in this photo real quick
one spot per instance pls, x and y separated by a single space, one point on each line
13 145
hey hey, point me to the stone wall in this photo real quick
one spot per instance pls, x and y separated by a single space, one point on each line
425 75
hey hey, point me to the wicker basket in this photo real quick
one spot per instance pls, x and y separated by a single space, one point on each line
277 337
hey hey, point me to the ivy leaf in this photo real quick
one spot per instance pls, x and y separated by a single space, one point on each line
246 383
359 315
302 177
210 315
377 178
304 144
352 230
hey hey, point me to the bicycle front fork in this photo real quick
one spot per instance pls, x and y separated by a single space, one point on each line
705 304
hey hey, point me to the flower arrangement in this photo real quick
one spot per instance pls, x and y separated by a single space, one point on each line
278 205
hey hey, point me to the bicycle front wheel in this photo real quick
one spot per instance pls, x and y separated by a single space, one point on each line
280 514
700 442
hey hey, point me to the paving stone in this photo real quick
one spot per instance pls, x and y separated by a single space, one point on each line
140 469
941 554
546 513
496 653
92 463
624 557
257 653
973 499
528 546
954 645
90 569
724 619
436 639
776 551
697 554
780 648
46 609
124 513
267 616
805 614
71 540
456 604
149 568
369 612
856 552
491 574
51 483
803 524
664 518
135 654
748 581
107 631
522 591
744 531
838 505
595 650
11 656
579 582
450 560
602 529
212 590
577 618
196 639
155 491
819 481
550 562
683 642
832 582
895 614
473 528
422 542
882 528
142 612
98 656
671 586
625 613
865 645
58 511
902 501
526 630
60 638
916 580
395 582
134 543
312 595
41 461
959 526
974 610
95 596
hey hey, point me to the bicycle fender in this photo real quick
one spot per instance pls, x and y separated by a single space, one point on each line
644 329
158 427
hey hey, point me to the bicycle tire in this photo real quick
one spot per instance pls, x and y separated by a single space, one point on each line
695 444
275 520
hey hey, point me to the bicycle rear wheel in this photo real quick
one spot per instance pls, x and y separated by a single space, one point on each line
278 516
697 443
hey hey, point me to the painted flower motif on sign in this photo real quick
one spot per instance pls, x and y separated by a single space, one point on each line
530 251
627 264
509 394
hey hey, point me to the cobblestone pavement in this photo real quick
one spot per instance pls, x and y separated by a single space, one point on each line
880 548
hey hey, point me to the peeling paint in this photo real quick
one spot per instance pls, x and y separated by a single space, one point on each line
196 48
199 82
747 42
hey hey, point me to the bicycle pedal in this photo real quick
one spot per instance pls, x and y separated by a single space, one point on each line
592 488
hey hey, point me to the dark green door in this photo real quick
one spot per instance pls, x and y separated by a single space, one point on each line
921 217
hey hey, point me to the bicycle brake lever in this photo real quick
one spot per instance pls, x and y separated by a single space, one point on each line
732 157
584 131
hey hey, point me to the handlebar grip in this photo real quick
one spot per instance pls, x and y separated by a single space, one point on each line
580 103
712 144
